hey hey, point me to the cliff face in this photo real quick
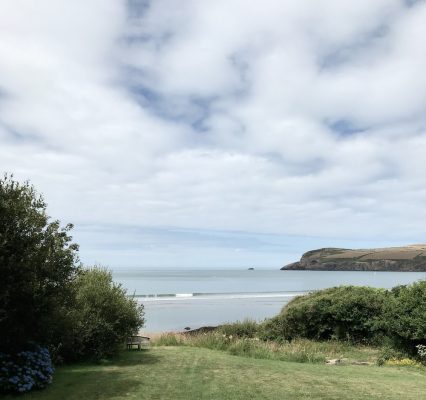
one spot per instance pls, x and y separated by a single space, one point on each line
409 258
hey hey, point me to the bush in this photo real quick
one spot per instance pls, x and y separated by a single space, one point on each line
421 353
274 329
247 328
26 370
388 353
404 319
37 263
343 313
101 318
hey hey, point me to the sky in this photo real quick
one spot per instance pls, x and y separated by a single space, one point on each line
218 134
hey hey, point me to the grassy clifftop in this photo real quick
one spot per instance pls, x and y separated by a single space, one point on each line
406 258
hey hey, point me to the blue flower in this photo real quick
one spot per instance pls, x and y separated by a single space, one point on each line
25 370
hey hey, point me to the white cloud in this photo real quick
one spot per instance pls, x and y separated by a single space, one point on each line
292 118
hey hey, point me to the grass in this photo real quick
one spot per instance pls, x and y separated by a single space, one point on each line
188 373
300 350
411 252
375 255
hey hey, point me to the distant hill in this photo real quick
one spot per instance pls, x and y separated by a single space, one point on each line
408 258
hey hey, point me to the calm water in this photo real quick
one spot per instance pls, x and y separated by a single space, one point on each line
175 299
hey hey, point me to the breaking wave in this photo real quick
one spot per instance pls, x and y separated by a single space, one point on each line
214 296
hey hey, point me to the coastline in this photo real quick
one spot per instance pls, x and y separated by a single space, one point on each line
174 299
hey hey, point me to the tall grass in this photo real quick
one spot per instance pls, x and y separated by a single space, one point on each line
169 339
295 351
247 338
299 350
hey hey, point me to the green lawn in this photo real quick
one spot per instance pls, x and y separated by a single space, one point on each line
196 373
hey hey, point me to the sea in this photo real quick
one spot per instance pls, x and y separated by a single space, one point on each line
178 299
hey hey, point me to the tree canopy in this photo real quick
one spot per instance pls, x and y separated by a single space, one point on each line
37 261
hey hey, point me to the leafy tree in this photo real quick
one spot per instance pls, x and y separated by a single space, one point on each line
102 317
38 261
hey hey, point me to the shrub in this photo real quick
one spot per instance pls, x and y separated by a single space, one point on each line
421 350
101 318
421 353
404 319
388 353
344 313
25 370
247 328
274 329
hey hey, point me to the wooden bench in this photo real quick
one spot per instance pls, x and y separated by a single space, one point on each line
137 341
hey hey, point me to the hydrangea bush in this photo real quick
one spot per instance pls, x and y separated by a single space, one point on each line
26 370
421 351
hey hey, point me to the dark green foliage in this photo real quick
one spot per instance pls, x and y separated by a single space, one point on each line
37 263
396 317
274 329
247 328
405 316
388 352
101 318
345 313
45 295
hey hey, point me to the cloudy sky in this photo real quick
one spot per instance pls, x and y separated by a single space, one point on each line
218 133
